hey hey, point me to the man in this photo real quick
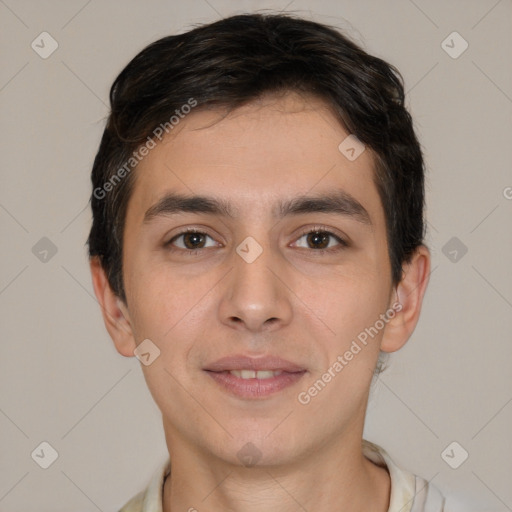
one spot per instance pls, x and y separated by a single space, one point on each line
257 243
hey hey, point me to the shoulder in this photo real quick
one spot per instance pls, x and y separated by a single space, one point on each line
409 492
150 499
135 504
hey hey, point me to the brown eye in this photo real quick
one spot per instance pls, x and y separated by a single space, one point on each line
318 239
321 240
193 240
189 240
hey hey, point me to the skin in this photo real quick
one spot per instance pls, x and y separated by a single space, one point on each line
197 308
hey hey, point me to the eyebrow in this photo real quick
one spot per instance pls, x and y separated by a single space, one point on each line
338 202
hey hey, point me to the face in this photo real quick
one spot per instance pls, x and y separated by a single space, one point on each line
260 276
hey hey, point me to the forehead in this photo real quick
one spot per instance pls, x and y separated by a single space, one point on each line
273 148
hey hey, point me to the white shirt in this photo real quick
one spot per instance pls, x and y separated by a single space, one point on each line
409 493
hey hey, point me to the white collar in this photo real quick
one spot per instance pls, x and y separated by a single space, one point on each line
409 493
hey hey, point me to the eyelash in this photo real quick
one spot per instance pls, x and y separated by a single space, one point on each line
343 244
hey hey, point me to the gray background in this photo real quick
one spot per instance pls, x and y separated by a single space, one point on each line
61 380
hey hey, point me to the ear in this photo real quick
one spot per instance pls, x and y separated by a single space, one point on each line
408 298
115 313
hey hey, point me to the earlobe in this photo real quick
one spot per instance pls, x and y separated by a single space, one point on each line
409 294
114 311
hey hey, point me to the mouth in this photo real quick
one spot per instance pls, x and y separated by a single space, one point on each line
254 374
254 378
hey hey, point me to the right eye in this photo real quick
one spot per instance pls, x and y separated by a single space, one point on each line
193 240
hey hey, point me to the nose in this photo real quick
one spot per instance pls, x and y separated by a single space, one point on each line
256 297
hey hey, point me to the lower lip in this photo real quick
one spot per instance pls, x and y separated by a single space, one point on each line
255 388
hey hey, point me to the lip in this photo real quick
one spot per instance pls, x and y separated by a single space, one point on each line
254 388
242 362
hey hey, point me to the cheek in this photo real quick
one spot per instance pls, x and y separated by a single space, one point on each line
347 302
165 304
152 303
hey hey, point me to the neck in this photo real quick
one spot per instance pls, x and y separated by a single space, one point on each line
321 482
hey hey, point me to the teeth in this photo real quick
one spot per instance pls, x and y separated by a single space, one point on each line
252 374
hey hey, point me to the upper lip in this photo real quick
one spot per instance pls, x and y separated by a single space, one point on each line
241 362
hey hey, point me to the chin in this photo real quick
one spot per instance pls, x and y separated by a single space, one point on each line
252 451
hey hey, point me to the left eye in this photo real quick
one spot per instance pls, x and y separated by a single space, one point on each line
320 239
